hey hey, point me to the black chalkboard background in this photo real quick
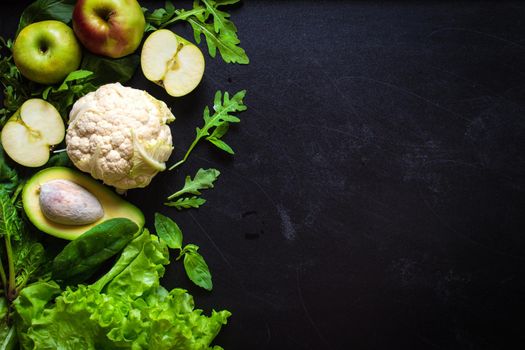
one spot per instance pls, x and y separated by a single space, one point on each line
376 200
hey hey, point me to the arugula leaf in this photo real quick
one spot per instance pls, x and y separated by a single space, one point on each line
186 203
168 231
205 19
204 179
41 10
110 70
196 268
219 122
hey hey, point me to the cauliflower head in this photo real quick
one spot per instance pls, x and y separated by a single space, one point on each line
120 136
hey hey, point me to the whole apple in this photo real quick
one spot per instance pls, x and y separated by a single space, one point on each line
46 52
112 28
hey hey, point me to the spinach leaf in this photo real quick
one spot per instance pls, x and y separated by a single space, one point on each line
81 258
41 10
109 70
168 231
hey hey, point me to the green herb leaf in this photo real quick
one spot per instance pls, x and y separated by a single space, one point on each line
168 231
59 159
109 70
81 258
205 19
221 144
30 257
41 10
197 269
186 203
217 123
10 223
74 86
204 179
8 176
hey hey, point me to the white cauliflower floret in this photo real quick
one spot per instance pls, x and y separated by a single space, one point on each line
119 135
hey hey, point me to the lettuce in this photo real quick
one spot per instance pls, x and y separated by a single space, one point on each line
127 308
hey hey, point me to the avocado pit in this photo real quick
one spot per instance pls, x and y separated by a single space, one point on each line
65 202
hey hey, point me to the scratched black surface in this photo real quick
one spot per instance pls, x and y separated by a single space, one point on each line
376 199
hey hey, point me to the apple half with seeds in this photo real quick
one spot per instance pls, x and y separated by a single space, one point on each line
30 133
172 62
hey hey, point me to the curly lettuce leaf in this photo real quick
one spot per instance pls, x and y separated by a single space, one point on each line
127 308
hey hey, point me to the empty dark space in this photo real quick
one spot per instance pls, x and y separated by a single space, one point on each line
376 197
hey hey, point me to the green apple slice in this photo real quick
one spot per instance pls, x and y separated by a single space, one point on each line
30 133
172 62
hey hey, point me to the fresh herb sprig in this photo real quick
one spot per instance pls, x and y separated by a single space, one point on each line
194 264
204 179
206 18
217 124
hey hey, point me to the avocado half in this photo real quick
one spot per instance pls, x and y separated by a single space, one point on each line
113 205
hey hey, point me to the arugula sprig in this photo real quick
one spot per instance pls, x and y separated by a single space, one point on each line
204 179
194 264
206 19
216 125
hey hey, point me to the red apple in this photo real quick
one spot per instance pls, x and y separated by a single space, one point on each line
112 28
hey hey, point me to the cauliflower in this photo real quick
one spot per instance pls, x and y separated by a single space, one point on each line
119 135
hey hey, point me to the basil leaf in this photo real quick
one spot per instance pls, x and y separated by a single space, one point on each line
41 10
109 70
168 231
197 269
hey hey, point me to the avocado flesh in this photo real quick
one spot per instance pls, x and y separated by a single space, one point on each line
113 205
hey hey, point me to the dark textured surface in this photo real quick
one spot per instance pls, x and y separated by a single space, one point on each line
376 199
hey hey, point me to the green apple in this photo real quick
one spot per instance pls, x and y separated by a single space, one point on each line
46 52
172 62
112 28
29 134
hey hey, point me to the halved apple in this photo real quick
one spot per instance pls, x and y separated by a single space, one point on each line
172 62
29 134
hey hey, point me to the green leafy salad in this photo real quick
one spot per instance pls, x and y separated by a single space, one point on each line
70 131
